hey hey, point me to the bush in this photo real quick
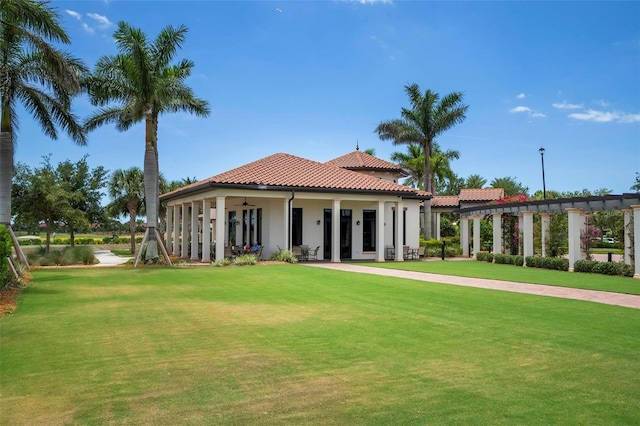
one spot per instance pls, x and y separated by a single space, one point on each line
518 260
221 262
584 265
484 256
284 256
6 275
106 240
245 259
501 258
554 263
80 255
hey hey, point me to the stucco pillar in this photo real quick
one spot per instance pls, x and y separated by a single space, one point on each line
527 234
220 240
520 226
627 232
185 232
399 231
169 230
286 240
636 240
464 235
544 228
576 223
177 219
194 231
335 232
497 232
437 225
206 231
380 246
476 235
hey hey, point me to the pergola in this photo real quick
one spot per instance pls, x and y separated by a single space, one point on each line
575 208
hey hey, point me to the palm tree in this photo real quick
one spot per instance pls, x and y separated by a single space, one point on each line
126 189
428 117
40 77
139 84
475 182
441 165
413 162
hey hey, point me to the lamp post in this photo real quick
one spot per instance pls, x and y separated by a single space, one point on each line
544 189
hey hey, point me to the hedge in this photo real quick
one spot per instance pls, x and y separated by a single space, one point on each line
605 268
555 263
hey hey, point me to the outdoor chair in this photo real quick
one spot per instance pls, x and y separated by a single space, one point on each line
390 253
313 254
297 252
421 252
259 253
228 253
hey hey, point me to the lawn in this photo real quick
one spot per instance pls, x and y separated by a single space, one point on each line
476 269
289 344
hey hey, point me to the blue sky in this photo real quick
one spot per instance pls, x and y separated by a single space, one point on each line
311 78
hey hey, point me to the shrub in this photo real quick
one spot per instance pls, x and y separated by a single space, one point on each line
107 240
517 260
67 256
584 265
605 268
284 256
245 259
5 251
555 263
221 262
501 258
484 256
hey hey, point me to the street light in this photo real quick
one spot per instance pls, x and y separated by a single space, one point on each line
544 189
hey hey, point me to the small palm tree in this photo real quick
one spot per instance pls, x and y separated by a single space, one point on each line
126 189
475 182
441 165
139 84
428 117
413 162
37 75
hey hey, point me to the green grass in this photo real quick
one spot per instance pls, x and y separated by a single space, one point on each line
476 269
289 344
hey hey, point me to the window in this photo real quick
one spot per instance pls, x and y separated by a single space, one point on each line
232 228
368 230
296 226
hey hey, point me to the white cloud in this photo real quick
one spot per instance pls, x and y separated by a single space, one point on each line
521 96
87 28
371 1
74 14
103 21
606 116
601 103
531 113
566 105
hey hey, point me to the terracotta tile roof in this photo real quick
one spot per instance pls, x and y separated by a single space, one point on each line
289 171
445 201
358 160
484 194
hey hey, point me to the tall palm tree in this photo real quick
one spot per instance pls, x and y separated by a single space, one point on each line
126 189
37 75
139 84
428 117
440 164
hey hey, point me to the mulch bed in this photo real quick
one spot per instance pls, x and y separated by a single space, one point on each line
9 300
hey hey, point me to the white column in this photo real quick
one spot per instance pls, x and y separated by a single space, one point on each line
544 234
583 233
177 212
335 232
476 235
380 246
527 234
206 231
437 223
194 231
399 231
185 231
520 234
627 232
286 244
636 240
464 235
220 240
169 230
497 233
576 222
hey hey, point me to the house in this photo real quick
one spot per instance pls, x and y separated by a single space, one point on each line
347 207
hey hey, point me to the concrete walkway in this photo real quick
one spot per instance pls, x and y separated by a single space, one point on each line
618 299
106 258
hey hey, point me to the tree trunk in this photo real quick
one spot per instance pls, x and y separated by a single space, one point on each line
151 189
426 230
132 228
47 246
72 236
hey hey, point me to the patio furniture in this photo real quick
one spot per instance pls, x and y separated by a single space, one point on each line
229 253
313 254
390 253
298 253
421 252
409 253
259 253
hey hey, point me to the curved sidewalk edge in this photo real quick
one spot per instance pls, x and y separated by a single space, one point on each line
605 297
107 258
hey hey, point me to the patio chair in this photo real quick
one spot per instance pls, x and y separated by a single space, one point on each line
297 252
228 253
313 254
259 253
406 253
421 252
389 252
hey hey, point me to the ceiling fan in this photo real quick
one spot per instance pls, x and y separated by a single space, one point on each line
245 204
